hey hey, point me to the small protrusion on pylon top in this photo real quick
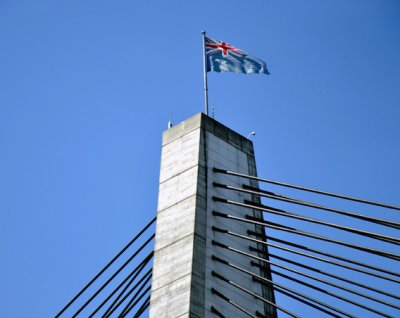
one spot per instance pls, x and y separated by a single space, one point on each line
253 133
170 122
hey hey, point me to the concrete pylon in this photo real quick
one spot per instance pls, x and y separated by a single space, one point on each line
182 272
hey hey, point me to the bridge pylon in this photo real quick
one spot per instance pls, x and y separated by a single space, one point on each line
187 266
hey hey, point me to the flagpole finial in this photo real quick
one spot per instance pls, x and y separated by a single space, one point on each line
203 32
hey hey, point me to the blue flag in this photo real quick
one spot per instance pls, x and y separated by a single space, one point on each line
222 57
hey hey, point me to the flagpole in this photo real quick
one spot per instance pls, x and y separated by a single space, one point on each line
205 72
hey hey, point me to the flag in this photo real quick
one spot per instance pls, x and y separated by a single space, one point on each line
222 57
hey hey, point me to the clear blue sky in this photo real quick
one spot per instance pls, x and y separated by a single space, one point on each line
87 87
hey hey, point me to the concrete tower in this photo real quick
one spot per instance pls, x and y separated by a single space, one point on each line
183 261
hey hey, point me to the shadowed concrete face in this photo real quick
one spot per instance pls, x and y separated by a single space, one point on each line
183 264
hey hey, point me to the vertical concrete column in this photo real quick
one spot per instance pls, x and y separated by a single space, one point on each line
183 265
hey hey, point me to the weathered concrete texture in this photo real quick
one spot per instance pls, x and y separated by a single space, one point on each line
183 264
175 231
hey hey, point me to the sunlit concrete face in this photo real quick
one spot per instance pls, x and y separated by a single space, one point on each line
183 265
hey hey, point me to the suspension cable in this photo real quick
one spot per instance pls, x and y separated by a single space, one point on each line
335 256
142 282
268 194
230 301
326 261
307 189
114 275
105 268
216 312
303 283
379 291
261 207
308 303
142 308
274 196
275 284
275 287
121 294
134 301
269 282
132 276
252 220
299 296
327 283
304 254
230 282
331 294
216 243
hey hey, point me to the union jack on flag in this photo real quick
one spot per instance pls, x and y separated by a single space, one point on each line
223 57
